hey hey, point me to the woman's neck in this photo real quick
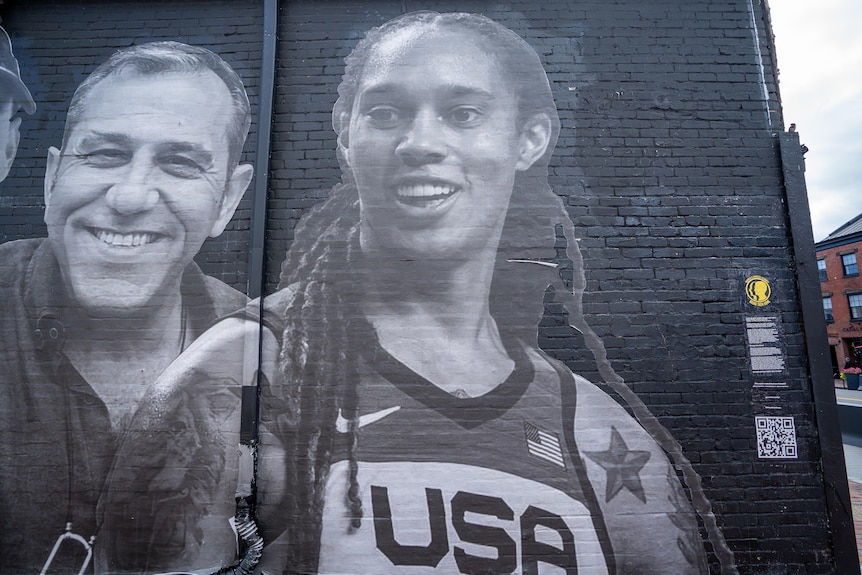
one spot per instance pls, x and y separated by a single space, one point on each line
438 323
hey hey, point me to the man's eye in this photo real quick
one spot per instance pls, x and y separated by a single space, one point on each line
107 158
384 116
464 116
180 167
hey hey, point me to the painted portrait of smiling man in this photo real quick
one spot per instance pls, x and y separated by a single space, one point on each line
142 180
410 423
148 169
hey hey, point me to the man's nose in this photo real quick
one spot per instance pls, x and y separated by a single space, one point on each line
423 142
135 190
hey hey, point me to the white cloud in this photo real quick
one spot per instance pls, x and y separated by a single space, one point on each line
820 78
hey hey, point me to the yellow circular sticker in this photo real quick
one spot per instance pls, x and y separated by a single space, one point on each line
758 290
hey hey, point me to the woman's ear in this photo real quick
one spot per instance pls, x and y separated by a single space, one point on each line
533 141
341 125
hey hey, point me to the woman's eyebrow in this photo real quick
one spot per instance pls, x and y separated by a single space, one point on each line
461 91
451 90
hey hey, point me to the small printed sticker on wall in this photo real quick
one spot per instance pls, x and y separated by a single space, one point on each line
758 290
770 385
776 437
765 345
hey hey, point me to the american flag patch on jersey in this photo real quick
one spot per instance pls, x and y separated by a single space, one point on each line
543 444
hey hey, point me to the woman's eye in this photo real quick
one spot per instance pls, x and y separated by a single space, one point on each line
384 115
465 116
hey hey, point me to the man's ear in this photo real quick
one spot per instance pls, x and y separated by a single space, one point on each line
233 193
534 140
12 137
51 166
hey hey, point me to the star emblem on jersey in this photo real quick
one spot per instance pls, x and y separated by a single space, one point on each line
543 444
622 466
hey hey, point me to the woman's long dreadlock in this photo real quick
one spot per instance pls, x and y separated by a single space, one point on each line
317 363
324 326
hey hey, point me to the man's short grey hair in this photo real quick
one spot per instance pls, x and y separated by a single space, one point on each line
158 58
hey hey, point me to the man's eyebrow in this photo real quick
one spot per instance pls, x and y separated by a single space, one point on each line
201 154
100 138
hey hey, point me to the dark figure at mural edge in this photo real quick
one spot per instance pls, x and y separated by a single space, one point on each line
14 96
409 420
89 316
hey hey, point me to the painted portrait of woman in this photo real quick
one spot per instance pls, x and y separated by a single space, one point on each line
410 423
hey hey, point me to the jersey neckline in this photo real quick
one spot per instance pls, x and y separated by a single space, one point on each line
468 412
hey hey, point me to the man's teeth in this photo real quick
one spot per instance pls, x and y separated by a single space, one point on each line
125 240
425 191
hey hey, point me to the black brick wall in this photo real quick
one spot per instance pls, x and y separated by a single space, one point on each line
668 162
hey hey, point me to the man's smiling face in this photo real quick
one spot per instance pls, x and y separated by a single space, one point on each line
138 187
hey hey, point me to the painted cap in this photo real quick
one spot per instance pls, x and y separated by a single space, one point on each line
10 74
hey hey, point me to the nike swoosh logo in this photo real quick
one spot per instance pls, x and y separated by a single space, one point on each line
342 425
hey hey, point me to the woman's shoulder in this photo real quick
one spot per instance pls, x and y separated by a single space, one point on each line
269 311
649 518
234 342
274 308
598 414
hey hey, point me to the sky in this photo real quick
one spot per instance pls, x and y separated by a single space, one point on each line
819 49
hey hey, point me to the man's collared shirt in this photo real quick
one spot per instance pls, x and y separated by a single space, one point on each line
56 440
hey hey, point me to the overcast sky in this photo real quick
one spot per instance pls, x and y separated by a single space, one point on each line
819 45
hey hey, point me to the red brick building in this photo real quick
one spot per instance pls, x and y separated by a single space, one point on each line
839 256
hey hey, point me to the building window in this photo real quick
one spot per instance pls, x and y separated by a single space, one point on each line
855 301
827 309
821 269
849 263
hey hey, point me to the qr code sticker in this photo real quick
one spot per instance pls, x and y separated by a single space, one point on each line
776 437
